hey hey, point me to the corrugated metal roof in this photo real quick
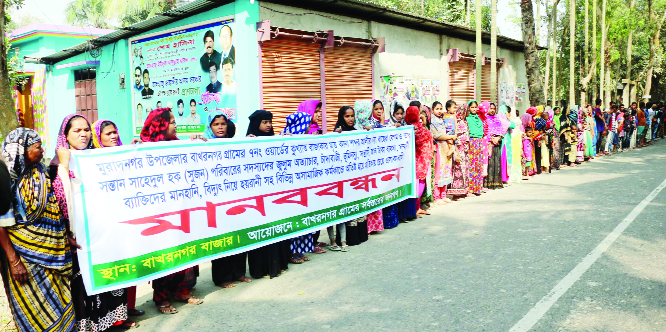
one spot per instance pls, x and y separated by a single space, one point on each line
350 8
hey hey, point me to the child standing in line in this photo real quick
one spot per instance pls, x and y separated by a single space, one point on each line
444 131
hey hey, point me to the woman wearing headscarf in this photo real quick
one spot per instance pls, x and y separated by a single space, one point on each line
475 148
96 312
460 185
232 268
105 134
507 146
423 148
368 116
273 259
556 159
37 261
298 124
160 125
543 125
396 114
311 107
497 127
516 173
356 231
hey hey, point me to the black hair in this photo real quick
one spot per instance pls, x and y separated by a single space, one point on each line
449 103
231 127
320 105
210 34
230 29
377 101
68 126
139 104
634 103
508 108
415 103
438 103
192 101
528 128
345 108
556 108
649 104
613 103
641 104
398 107
180 102
228 60
105 124
473 102
137 67
213 63
598 101
621 105
145 71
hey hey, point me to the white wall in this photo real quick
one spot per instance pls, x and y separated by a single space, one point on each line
409 52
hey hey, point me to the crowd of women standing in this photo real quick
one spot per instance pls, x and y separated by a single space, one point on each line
461 150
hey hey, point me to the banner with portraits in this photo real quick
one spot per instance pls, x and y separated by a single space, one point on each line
148 210
189 69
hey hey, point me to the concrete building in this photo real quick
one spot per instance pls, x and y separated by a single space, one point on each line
243 55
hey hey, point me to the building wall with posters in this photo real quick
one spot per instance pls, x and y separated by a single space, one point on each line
110 61
409 53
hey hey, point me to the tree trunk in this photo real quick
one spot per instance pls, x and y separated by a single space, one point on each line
602 82
493 50
583 88
532 61
548 51
627 87
468 12
554 97
654 46
594 41
479 49
8 120
572 55
537 24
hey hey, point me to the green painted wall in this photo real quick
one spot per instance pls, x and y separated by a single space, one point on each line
114 103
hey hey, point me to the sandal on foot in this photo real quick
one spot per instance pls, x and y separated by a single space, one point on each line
296 260
344 248
167 309
318 251
305 258
321 244
227 285
334 248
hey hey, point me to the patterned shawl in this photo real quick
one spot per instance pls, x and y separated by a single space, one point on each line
231 127
309 106
39 235
97 133
156 125
298 123
497 124
363 110
423 137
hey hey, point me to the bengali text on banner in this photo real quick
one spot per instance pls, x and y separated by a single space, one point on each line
149 210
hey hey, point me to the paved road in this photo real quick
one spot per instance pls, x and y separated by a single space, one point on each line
479 264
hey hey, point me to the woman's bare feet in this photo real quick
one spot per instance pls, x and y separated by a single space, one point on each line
228 285
244 279
189 299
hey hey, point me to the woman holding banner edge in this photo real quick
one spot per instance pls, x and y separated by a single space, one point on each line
160 125
97 312
37 262
228 269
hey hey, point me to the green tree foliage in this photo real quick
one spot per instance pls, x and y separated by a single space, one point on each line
111 14
450 11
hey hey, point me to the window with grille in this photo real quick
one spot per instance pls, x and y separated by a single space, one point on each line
86 93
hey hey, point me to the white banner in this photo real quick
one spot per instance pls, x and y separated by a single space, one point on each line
145 211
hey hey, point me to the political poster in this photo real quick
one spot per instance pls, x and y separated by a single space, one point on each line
190 69
148 210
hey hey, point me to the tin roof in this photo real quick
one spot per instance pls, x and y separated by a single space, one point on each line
350 8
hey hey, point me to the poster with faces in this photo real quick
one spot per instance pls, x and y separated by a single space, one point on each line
190 70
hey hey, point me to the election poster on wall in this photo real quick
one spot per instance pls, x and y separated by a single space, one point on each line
404 90
189 69
149 210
